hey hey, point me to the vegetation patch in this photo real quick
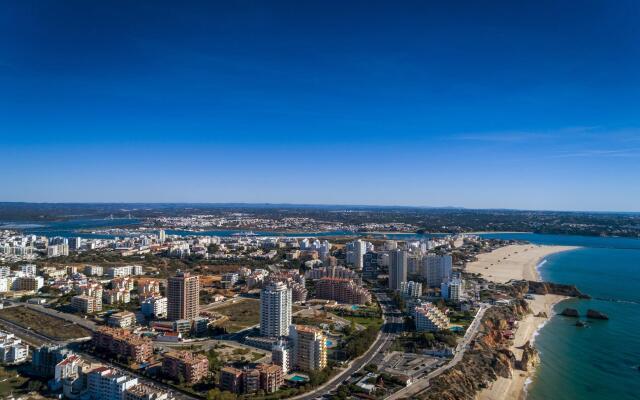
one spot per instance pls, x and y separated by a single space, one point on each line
242 314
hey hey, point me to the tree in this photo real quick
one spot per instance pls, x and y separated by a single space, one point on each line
371 368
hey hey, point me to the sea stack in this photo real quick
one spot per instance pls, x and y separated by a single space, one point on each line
570 312
593 314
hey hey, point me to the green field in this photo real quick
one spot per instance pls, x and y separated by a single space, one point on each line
365 321
243 314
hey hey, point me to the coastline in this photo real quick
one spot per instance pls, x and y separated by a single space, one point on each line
518 262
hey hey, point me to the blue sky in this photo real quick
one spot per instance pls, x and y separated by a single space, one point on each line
531 105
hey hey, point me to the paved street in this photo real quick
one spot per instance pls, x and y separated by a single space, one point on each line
393 325
423 383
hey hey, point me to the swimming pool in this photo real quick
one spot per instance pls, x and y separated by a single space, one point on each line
298 378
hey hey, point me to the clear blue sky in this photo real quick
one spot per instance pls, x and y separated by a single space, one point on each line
514 104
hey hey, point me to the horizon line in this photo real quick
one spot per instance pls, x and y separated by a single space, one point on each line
319 205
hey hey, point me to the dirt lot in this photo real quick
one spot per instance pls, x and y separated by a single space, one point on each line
44 324
242 314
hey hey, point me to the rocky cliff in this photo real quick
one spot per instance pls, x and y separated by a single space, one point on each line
530 358
487 358
521 288
554 288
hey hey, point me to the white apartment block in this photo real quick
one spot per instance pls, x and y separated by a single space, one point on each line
411 289
275 310
28 269
452 290
12 350
93 270
108 384
428 318
154 307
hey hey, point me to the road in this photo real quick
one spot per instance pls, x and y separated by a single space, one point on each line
423 383
392 327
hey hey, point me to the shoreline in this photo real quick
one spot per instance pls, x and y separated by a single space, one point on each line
514 262
519 262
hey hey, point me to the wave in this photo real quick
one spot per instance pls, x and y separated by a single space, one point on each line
613 300
537 331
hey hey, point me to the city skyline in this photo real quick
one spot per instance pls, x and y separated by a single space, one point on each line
517 106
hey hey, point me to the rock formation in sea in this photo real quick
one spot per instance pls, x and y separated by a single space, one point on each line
594 314
570 312
581 324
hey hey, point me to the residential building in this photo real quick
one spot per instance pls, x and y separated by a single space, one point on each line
309 348
281 353
116 296
93 270
231 379
28 270
275 309
123 342
68 368
181 326
332 272
436 269
184 364
86 304
143 391
370 267
12 350
108 384
266 377
154 307
271 377
355 253
45 358
183 294
148 288
298 292
397 268
123 319
429 318
411 289
229 279
28 283
452 290
342 291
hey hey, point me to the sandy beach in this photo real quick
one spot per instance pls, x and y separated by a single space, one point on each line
502 265
513 262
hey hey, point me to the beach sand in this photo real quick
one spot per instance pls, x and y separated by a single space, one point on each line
517 261
502 265
513 388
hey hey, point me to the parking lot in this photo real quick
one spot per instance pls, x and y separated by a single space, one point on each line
409 364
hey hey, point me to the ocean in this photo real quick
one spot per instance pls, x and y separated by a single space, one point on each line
602 360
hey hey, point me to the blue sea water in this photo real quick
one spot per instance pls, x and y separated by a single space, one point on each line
600 361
